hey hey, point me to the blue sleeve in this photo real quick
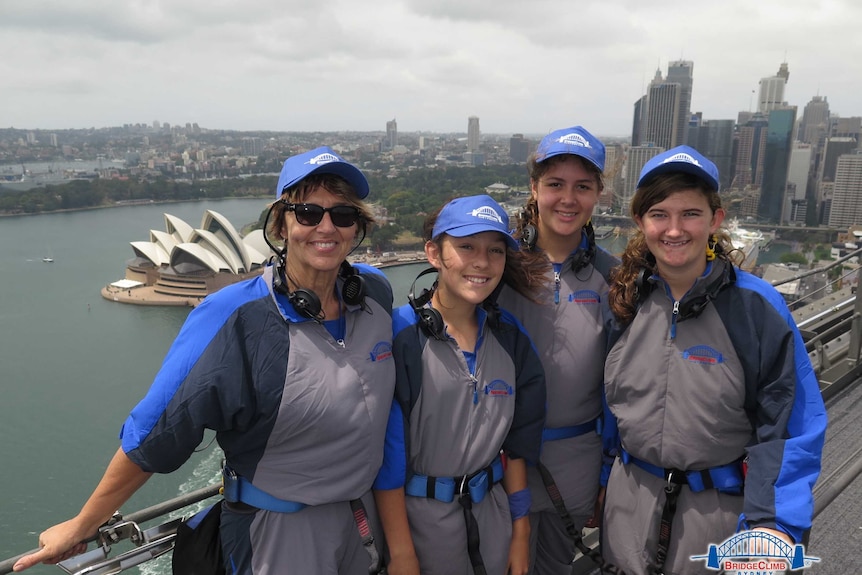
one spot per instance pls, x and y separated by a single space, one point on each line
186 396
789 418
610 440
393 472
407 353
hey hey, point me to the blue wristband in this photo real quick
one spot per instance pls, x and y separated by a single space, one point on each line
520 503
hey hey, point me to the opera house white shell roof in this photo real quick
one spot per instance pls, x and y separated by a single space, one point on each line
215 246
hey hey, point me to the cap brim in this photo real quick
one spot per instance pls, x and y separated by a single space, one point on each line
471 229
573 151
685 167
351 174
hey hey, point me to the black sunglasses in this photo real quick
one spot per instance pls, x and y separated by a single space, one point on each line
311 214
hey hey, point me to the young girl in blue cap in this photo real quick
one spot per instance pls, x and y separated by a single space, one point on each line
567 324
721 422
469 387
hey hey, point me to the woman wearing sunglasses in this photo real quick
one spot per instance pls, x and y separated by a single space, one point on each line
469 386
293 371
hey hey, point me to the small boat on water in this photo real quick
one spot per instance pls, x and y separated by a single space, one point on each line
48 260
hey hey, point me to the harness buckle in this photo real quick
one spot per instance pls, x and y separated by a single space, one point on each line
463 488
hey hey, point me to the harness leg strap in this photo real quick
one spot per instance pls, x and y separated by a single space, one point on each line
472 535
563 513
671 495
361 519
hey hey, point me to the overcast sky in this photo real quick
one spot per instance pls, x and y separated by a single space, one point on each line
527 66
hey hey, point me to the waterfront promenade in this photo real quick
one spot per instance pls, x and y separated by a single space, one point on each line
150 295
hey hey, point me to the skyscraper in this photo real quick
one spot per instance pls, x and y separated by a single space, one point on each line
662 116
846 207
750 147
639 121
714 139
772 90
815 121
519 148
682 72
779 144
473 134
636 157
391 134
662 125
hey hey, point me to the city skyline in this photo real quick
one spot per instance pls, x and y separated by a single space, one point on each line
520 67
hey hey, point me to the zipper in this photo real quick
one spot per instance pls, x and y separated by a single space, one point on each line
673 319
556 287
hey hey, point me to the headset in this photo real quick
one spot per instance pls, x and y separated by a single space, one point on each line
694 306
307 303
581 259
430 320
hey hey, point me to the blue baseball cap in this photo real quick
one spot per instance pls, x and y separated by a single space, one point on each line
322 160
576 141
472 215
680 159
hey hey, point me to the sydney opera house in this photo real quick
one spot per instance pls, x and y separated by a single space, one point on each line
181 265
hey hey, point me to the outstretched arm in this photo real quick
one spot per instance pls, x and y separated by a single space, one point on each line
122 478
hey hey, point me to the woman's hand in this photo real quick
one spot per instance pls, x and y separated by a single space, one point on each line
56 544
596 519
407 564
519 550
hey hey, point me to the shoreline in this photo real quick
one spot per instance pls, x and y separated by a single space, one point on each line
123 205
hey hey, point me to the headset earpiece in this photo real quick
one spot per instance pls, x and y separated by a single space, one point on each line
353 290
583 258
529 236
306 303
643 285
430 320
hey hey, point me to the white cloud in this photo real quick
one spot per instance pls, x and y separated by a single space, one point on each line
520 66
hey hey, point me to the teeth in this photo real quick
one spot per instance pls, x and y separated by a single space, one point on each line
325 244
476 280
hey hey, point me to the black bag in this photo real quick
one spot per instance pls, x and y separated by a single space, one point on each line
197 548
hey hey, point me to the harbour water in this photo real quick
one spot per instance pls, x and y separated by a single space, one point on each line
73 364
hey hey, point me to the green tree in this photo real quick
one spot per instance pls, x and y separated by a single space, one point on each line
794 258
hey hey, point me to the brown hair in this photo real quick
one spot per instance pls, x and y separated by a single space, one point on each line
623 295
300 191
523 274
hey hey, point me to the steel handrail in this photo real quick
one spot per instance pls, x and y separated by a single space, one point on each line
140 516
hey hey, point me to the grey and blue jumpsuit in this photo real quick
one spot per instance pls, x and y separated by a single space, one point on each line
453 413
702 394
299 408
569 330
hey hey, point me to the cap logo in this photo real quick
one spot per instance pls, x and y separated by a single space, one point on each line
324 158
574 140
487 213
682 157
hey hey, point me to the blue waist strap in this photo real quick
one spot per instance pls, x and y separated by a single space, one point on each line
726 478
240 489
445 488
555 433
